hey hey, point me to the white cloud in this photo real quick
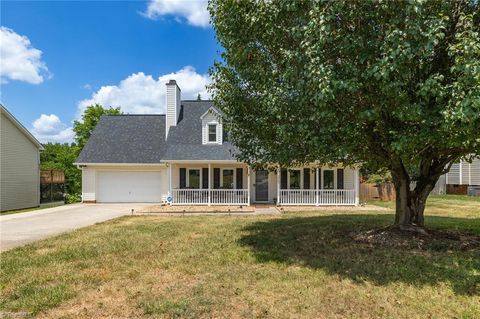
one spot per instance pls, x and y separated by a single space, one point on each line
194 11
143 94
49 128
19 60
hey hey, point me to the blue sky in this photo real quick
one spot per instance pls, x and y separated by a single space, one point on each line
58 57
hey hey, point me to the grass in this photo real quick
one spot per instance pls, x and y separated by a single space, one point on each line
294 265
42 206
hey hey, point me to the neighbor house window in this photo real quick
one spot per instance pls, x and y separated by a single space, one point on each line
212 132
294 179
194 178
328 182
227 178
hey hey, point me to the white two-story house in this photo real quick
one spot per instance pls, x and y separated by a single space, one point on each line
184 156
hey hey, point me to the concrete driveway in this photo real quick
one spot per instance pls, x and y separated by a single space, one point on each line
23 228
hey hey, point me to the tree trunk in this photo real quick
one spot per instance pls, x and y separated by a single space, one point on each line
410 204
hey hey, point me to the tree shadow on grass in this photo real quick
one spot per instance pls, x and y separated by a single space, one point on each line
325 242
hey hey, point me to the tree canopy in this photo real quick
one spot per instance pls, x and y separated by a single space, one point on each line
388 84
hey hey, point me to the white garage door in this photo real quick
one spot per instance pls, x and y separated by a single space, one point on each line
128 187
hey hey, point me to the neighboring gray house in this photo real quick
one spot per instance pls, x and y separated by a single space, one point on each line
19 164
462 176
184 157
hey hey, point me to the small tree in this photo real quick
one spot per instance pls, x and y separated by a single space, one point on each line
84 128
391 84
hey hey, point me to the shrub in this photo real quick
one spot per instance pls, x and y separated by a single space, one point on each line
72 198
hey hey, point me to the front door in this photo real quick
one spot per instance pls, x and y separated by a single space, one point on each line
261 186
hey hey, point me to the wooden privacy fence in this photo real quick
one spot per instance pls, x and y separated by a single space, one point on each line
52 185
52 176
382 192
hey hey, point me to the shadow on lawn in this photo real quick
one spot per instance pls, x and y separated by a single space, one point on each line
324 242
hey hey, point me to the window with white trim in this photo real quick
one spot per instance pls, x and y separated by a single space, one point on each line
212 133
194 178
294 178
328 179
228 180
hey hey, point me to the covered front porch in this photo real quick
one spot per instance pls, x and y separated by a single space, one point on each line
217 183
233 183
320 186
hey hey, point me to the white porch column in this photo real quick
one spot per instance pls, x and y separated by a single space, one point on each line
248 185
279 174
357 186
170 179
209 184
317 184
460 170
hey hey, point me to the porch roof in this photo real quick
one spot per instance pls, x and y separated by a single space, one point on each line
200 152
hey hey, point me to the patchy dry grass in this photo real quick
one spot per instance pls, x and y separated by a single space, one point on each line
293 265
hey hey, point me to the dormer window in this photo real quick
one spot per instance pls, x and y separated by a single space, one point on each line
212 128
212 133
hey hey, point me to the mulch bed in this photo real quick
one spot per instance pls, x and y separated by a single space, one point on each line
424 239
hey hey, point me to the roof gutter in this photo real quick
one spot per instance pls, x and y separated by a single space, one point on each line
119 164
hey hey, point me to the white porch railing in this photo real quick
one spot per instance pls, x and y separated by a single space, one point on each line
317 197
212 197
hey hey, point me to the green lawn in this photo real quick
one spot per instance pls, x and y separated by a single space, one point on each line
294 265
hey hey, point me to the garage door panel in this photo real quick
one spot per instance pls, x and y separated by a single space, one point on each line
128 187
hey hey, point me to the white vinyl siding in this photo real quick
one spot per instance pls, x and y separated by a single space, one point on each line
475 172
20 168
464 173
88 184
348 179
453 176
211 119
173 106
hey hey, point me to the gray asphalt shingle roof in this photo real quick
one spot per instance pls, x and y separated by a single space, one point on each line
126 139
185 140
141 139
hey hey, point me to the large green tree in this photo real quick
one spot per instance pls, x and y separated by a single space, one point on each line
62 156
388 84
83 128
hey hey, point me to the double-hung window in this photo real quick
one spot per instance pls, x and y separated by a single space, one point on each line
328 179
194 178
294 179
212 133
227 178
